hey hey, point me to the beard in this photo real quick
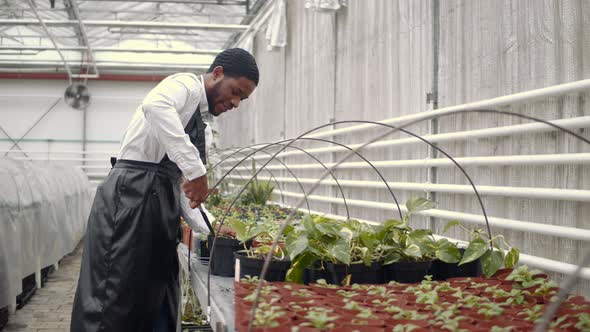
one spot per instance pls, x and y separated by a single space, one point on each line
211 97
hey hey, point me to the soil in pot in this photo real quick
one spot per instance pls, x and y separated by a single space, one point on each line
252 266
406 272
359 272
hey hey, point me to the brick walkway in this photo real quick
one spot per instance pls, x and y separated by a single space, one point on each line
50 309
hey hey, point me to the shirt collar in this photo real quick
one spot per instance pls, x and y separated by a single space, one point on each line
203 103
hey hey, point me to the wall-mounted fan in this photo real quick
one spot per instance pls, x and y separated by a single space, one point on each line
77 96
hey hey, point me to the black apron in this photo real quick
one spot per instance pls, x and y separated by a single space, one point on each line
129 265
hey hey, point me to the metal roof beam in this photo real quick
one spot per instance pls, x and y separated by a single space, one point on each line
20 64
110 49
122 39
188 2
40 22
81 31
126 24
133 11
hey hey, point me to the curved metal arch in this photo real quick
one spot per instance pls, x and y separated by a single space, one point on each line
271 175
268 153
268 257
305 152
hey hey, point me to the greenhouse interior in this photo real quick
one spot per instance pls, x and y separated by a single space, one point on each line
383 165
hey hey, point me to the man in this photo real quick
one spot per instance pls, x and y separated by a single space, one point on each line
129 273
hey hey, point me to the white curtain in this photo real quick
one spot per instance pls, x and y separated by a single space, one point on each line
324 5
276 31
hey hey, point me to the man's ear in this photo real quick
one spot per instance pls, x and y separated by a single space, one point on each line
218 73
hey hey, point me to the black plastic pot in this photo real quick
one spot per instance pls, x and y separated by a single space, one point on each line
442 271
202 248
45 272
222 262
359 273
252 266
3 317
406 272
29 288
195 328
314 273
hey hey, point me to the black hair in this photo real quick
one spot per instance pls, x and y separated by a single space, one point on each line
237 62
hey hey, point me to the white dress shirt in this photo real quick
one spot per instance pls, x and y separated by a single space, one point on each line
157 127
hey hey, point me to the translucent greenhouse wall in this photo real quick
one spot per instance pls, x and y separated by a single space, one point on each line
375 60
43 213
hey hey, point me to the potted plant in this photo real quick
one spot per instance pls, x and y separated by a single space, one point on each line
450 268
252 259
344 248
315 239
493 253
359 264
222 262
409 253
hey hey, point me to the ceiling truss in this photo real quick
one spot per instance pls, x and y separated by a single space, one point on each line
83 37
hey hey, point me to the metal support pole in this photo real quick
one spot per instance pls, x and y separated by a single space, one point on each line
84 133
432 99
66 65
84 38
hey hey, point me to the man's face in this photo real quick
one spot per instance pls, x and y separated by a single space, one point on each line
227 92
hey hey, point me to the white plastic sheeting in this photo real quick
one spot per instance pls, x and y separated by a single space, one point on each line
276 32
324 5
43 215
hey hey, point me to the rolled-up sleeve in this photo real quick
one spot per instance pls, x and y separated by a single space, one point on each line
161 108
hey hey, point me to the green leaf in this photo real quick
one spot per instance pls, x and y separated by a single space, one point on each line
413 251
369 240
512 258
254 232
421 238
475 250
391 258
417 204
296 243
366 255
450 225
328 228
448 253
391 223
239 227
491 261
353 224
309 224
340 250
288 229
295 273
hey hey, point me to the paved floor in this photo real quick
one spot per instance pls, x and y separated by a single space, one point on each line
49 310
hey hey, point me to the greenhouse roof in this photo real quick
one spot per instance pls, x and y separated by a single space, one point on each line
83 37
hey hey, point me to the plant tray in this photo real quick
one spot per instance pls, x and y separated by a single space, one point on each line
384 307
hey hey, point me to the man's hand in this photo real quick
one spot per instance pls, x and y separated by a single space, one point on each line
196 190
